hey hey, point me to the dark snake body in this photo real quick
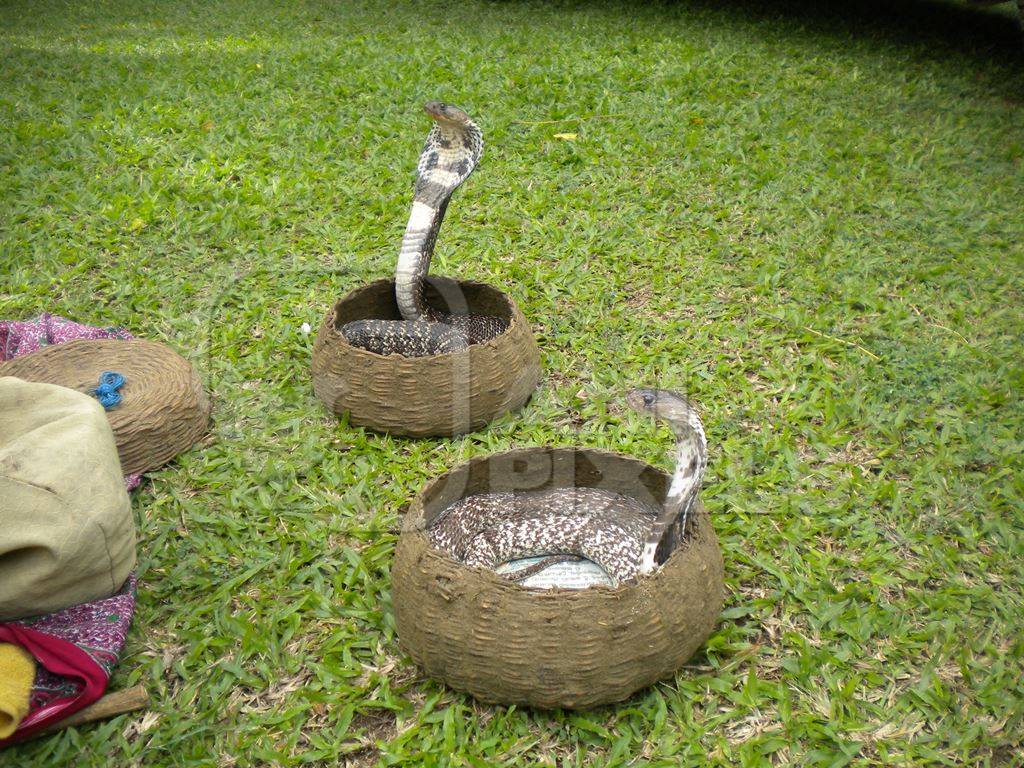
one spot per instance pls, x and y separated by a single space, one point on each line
620 534
453 147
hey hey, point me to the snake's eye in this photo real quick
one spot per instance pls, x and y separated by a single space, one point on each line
648 399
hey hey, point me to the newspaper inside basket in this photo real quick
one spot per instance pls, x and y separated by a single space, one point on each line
577 574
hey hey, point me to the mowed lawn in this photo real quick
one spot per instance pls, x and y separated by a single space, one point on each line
809 219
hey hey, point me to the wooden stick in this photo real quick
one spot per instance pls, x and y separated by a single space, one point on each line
116 703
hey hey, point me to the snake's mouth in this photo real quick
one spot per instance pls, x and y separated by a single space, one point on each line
439 110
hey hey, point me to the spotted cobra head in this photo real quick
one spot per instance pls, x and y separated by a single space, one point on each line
453 147
665 405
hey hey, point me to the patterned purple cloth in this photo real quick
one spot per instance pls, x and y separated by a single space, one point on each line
99 628
20 338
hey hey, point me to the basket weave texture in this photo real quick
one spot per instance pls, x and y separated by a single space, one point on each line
439 395
164 409
504 643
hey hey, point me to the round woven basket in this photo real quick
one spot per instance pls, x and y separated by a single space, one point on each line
504 643
163 411
439 395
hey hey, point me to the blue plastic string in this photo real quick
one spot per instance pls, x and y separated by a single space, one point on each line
107 392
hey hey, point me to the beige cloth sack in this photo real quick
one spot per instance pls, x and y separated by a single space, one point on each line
66 530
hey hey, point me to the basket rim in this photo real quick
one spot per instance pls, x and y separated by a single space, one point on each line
516 319
414 528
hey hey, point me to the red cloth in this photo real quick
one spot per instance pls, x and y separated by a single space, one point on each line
76 650
61 658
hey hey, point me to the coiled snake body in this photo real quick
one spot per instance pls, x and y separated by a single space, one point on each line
453 147
618 533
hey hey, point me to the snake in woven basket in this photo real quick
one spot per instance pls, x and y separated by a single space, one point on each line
619 533
453 147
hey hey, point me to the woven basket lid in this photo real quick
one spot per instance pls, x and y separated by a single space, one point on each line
163 411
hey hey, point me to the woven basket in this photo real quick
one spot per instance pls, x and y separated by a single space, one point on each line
439 395
163 410
504 643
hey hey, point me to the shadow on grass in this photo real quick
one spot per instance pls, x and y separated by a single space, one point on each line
985 30
975 30
967 26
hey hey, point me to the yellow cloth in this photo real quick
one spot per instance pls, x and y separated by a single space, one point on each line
17 671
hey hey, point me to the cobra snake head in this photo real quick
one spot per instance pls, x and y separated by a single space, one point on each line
453 146
447 113
667 406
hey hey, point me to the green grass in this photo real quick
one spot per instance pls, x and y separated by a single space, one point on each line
809 220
